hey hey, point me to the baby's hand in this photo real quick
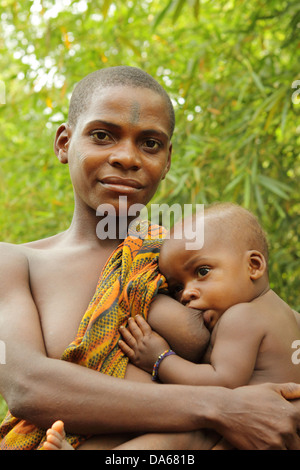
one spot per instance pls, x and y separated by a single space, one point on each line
141 344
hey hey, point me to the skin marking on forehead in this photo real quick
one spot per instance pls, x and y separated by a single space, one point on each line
135 113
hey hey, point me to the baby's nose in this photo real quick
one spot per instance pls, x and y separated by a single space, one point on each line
189 293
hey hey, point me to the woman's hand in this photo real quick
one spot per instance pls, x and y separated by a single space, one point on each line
258 417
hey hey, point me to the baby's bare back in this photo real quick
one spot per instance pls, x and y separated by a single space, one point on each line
275 361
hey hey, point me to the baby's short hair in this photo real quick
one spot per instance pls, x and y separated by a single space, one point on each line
114 76
243 223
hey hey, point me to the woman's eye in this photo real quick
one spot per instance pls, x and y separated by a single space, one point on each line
101 136
203 271
152 144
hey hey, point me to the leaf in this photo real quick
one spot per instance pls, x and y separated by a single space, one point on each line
234 182
271 115
197 9
247 191
254 168
284 114
255 77
105 8
274 186
179 7
161 15
195 6
279 209
259 200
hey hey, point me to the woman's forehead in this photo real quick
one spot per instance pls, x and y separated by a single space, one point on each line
125 103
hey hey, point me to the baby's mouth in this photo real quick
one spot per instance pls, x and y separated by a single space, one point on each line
208 318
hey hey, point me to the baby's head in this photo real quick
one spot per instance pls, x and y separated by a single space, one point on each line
230 268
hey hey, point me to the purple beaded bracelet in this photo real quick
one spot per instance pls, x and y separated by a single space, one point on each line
168 352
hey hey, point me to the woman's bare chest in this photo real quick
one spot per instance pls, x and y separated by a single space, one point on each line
62 286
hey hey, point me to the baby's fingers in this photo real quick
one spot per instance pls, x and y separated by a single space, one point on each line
129 340
135 329
127 350
143 324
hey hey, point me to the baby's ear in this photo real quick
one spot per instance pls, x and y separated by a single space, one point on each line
257 264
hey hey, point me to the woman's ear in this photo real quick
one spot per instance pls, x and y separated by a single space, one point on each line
61 142
168 165
256 264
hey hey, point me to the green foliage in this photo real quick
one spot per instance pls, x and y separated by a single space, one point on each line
228 65
3 409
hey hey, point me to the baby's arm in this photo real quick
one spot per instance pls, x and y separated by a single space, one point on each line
232 360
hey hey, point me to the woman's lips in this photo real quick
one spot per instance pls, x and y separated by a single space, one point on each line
121 185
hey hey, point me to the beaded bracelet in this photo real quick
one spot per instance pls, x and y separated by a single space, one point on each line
168 352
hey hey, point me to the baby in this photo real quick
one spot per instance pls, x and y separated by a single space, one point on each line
252 329
226 281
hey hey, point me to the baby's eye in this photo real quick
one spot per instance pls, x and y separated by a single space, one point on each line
203 271
176 290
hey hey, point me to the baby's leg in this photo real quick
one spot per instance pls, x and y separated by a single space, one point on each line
105 442
223 445
196 440
56 438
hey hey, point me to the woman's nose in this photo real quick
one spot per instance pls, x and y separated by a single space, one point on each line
125 156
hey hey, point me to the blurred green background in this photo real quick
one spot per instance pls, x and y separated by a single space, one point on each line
232 70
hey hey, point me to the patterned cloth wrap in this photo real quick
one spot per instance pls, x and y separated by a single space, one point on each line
127 285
